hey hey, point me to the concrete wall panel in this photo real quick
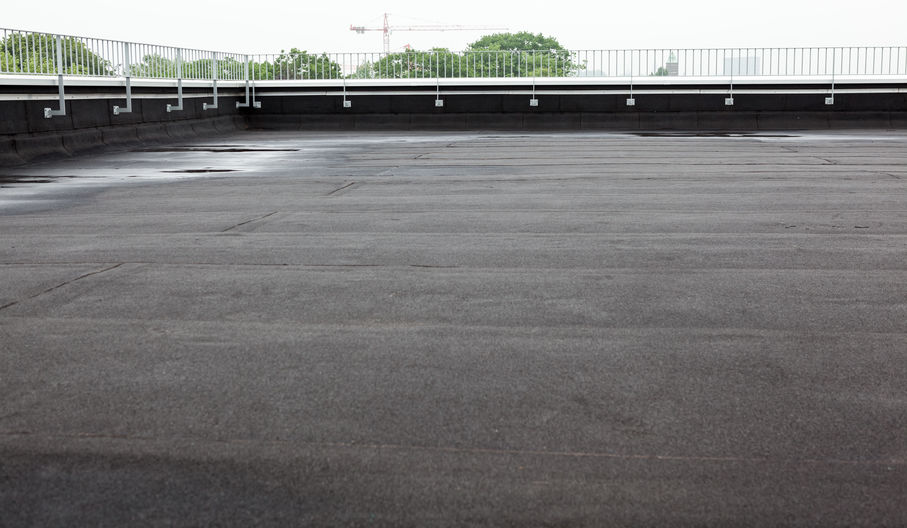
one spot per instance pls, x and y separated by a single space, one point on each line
152 133
552 121
415 105
668 120
369 104
258 121
121 135
13 117
42 146
793 121
439 121
88 113
855 119
897 120
8 154
593 103
617 121
303 105
494 121
132 118
83 140
36 122
474 104
383 122
180 129
723 120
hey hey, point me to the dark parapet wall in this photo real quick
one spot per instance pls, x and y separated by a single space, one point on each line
90 124
776 107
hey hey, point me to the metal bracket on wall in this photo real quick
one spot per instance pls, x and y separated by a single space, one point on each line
50 112
830 100
631 101
249 103
346 102
127 71
439 103
533 101
729 100
212 106
179 84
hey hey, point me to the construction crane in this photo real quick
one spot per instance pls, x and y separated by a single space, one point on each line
387 29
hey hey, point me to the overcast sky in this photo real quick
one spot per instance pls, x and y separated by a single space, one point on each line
266 26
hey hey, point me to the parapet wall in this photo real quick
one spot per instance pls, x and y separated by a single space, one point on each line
578 107
89 124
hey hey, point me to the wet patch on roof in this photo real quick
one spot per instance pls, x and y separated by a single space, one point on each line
11 179
198 171
711 134
216 148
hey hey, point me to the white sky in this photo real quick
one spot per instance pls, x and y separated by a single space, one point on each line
266 26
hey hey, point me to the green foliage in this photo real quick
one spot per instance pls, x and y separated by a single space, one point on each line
154 66
660 72
7 62
499 55
522 41
411 64
522 54
296 65
35 53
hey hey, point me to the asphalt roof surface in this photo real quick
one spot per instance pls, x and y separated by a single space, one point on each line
458 329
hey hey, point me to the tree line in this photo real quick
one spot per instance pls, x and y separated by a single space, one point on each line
521 54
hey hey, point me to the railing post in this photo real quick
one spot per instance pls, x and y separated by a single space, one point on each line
831 100
249 103
631 101
179 83
729 100
127 71
213 106
439 103
346 102
50 112
246 76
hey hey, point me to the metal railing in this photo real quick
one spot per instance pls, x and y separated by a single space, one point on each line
32 53
696 63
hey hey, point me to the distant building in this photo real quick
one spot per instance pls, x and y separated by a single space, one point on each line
672 66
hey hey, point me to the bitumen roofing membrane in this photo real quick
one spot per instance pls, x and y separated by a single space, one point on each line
433 329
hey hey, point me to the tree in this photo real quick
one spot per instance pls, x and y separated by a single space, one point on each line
660 72
37 53
154 66
438 62
521 54
159 67
299 64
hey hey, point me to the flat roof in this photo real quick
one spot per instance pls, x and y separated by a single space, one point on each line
458 328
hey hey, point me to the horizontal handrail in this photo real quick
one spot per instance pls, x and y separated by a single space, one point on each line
35 53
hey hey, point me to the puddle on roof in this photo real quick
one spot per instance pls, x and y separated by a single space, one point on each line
215 148
198 171
9 179
711 134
